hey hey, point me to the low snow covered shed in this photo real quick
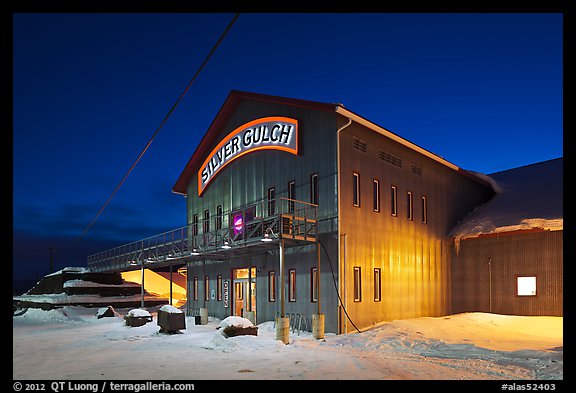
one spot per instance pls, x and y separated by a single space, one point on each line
507 255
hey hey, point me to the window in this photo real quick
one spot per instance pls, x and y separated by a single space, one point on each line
377 285
314 285
376 195
218 217
206 288
291 195
393 202
271 201
314 189
195 288
272 286
526 286
195 224
291 285
410 208
219 287
357 285
424 210
356 189
239 289
206 223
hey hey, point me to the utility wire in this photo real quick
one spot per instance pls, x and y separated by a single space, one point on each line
161 125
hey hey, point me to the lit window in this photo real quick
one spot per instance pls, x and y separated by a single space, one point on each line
376 195
424 210
206 288
271 286
219 287
314 285
393 201
377 285
357 285
410 208
292 285
526 286
356 189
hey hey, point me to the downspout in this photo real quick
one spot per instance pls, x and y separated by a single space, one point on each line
342 259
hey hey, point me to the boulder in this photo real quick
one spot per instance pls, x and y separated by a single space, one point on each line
171 319
137 317
105 312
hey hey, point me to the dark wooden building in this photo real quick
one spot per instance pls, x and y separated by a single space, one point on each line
507 256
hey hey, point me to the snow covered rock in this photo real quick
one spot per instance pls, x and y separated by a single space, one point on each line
237 326
171 319
137 317
105 312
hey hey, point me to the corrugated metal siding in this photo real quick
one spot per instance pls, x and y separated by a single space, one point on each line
538 254
247 180
413 257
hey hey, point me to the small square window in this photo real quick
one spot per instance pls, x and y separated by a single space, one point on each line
526 286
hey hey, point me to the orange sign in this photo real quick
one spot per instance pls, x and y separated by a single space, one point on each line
267 133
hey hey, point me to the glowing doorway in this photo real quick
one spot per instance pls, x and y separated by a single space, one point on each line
244 287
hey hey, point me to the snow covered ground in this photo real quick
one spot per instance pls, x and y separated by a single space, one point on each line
71 343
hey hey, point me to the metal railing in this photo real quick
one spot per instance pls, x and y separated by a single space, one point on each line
238 228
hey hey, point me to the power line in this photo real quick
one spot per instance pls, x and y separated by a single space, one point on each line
161 125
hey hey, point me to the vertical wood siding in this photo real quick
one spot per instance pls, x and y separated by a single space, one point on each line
525 253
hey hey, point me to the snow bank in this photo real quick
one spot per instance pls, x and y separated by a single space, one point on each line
70 269
84 284
463 346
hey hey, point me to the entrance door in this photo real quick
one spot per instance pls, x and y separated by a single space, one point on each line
244 284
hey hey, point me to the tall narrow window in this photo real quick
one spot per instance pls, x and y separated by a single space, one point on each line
219 287
218 217
377 285
271 286
409 207
291 285
271 201
195 288
314 188
424 210
206 223
195 224
314 285
376 195
291 195
356 189
206 288
357 284
393 201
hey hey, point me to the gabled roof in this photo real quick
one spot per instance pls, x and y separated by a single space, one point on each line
236 97
528 198
229 106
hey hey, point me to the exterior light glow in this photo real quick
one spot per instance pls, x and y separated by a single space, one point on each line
226 246
195 252
266 238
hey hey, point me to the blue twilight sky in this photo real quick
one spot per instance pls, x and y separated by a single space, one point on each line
482 90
